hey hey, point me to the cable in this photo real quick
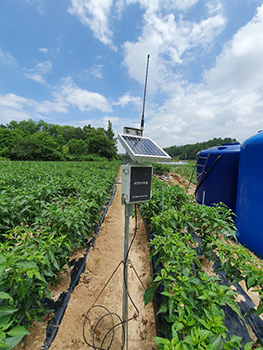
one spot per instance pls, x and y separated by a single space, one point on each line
108 313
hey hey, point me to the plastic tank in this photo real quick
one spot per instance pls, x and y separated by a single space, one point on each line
249 205
217 171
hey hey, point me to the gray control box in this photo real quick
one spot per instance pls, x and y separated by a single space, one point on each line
136 183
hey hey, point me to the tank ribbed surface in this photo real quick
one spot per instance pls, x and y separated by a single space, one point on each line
217 171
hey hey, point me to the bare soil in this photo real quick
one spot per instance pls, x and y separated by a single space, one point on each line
176 179
102 260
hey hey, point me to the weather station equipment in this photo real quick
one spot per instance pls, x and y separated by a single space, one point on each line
136 188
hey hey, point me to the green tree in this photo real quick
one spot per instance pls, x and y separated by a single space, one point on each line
101 145
13 125
28 126
8 139
39 146
30 140
77 147
189 151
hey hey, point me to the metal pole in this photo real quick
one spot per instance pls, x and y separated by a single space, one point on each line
128 213
162 199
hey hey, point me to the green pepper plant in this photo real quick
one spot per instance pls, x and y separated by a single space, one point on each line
47 210
193 301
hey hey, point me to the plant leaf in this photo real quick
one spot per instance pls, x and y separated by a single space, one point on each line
7 310
18 331
148 295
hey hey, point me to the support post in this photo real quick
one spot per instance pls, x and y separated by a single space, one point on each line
128 213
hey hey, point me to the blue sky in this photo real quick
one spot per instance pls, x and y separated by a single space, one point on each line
79 62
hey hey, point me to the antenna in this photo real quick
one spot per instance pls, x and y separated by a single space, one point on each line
136 188
144 97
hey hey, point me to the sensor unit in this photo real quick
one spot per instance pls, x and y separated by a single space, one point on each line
136 183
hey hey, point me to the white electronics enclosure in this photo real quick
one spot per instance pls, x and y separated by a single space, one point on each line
136 183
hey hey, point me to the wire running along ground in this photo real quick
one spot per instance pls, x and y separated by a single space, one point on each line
108 313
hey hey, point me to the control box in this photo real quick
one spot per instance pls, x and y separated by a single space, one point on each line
136 183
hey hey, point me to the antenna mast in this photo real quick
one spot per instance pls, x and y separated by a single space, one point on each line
144 97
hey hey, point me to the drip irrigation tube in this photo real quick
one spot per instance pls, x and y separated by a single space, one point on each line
62 302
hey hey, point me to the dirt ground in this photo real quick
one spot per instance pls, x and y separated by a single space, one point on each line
103 258
176 179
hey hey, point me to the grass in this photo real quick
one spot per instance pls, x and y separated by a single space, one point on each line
188 170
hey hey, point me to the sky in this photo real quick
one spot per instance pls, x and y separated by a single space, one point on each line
80 62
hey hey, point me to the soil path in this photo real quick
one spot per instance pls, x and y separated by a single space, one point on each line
102 260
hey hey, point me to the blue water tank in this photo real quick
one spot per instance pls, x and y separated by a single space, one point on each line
249 205
217 170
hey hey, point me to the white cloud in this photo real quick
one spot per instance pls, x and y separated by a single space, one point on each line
17 115
36 77
13 101
94 14
38 71
26 106
241 62
96 71
44 67
171 40
49 107
67 95
83 99
14 107
6 58
96 123
214 6
43 50
228 102
127 98
155 5
198 114
119 6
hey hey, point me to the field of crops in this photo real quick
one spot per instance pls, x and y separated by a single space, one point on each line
193 303
50 208
47 210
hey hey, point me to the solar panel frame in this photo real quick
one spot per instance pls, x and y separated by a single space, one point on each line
141 148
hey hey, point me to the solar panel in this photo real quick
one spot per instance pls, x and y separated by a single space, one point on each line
142 148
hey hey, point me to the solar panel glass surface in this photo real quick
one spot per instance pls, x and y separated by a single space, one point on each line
143 146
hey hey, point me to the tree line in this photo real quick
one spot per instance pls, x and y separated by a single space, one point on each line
189 151
31 140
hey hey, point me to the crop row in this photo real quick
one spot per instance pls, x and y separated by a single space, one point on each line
193 302
47 210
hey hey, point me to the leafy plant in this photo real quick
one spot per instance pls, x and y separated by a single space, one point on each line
192 301
47 210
